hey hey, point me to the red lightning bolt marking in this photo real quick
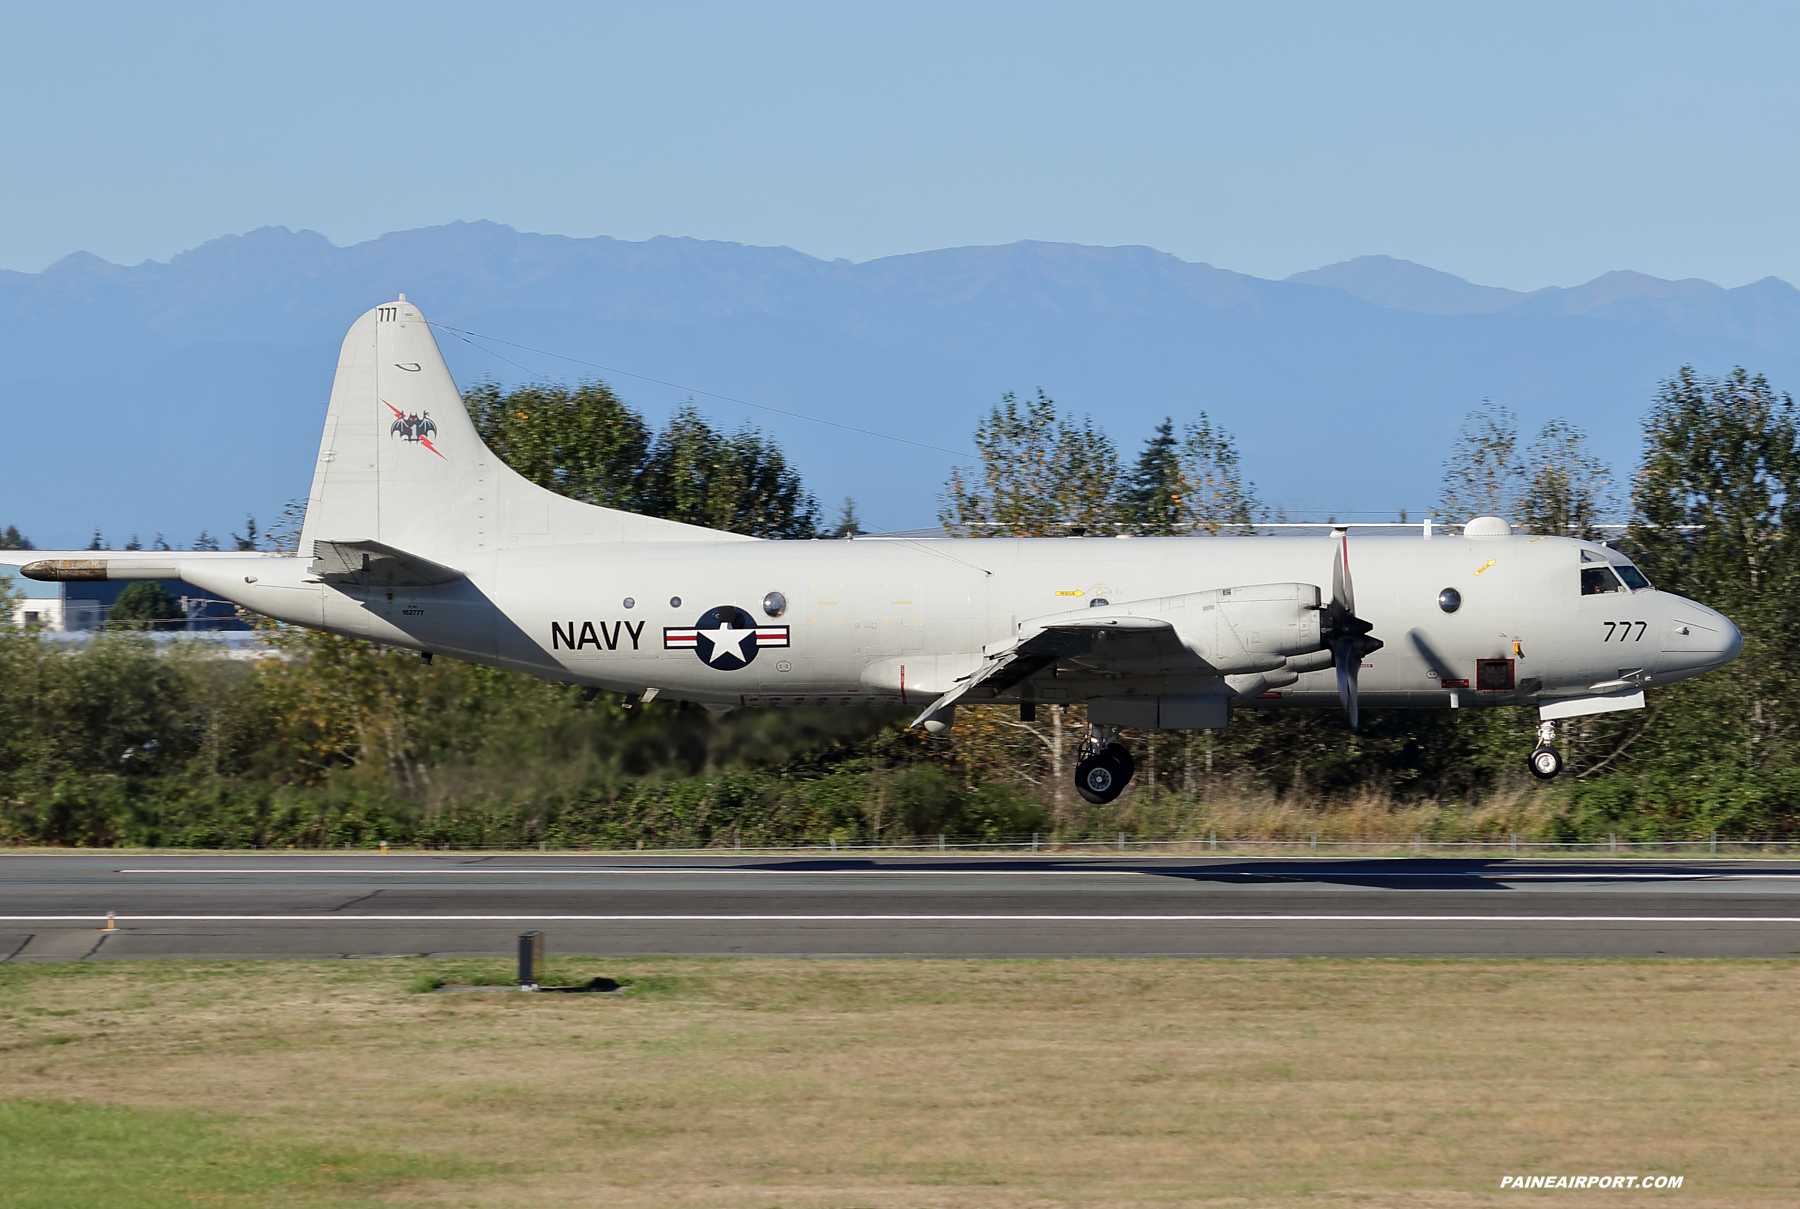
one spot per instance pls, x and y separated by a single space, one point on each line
425 441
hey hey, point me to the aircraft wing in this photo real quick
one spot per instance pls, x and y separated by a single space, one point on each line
1223 631
1050 642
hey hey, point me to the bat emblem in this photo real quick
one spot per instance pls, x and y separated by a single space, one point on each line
417 428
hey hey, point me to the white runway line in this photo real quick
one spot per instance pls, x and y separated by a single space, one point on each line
814 919
1200 872
601 869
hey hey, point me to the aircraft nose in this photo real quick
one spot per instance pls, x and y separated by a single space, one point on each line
1734 642
1697 638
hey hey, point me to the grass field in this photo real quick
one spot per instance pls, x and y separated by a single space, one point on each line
898 1083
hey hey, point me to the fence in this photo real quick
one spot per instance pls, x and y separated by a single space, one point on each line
1212 844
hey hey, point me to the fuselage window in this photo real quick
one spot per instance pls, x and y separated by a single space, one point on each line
1634 578
1596 580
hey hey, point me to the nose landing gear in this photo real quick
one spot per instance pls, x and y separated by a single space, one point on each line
1106 766
1545 760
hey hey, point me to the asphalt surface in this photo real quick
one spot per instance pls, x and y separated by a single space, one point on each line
54 907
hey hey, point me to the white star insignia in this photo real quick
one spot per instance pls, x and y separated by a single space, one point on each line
727 641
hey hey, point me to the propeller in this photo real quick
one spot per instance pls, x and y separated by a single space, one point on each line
1346 635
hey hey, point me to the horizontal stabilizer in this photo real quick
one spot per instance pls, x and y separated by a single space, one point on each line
371 564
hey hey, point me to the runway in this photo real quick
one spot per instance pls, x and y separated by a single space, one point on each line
324 905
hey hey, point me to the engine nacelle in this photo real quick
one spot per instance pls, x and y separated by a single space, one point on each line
1248 629
1229 631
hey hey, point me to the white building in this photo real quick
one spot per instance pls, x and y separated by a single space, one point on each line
45 614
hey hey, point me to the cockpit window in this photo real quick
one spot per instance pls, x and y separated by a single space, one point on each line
1596 580
1634 578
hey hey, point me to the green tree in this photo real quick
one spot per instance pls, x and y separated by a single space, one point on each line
1718 494
1215 496
285 536
11 597
848 524
1717 499
739 482
144 605
247 540
588 444
12 539
1154 497
1481 477
1566 490
585 442
1041 475
1189 485
1718 504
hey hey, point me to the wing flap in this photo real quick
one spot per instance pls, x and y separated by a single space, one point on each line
1053 640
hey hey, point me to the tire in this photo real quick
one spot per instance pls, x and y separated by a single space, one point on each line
1121 756
1103 776
1098 779
1545 763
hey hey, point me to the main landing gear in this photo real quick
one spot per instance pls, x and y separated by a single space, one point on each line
1105 768
1546 761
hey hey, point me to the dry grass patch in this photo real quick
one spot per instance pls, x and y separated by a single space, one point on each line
743 1084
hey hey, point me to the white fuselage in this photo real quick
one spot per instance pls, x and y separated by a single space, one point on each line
893 621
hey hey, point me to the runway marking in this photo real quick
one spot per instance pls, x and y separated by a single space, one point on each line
1514 919
603 869
1322 871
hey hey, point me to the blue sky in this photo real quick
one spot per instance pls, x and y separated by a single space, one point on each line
1519 145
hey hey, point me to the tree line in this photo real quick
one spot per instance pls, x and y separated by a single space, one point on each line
334 741
586 443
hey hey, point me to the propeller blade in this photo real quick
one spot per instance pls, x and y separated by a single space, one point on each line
1343 588
1348 634
1346 670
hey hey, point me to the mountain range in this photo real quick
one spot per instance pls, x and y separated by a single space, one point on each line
171 397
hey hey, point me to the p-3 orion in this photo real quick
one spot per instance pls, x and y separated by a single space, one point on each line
417 536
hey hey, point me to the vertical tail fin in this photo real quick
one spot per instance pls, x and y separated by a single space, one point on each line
401 463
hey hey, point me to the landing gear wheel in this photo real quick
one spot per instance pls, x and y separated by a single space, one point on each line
1103 776
1097 779
1122 757
1545 763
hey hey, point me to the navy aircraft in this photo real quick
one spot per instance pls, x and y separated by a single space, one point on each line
417 536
